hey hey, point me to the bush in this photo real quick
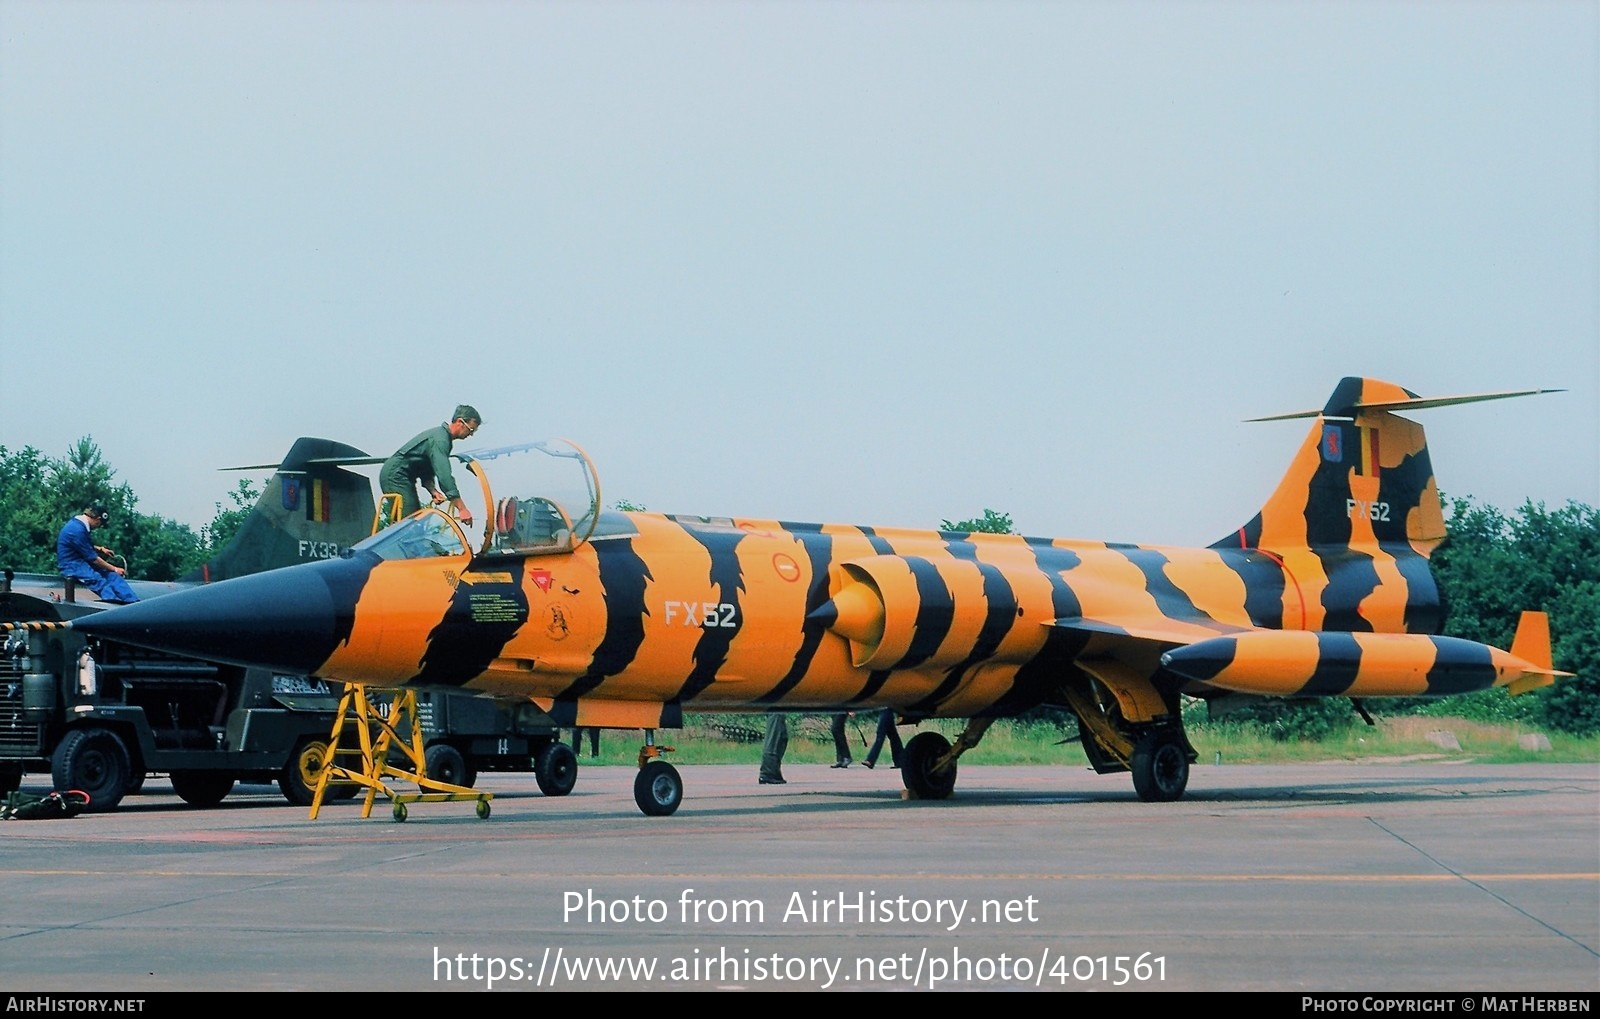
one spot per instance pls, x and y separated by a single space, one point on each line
1298 721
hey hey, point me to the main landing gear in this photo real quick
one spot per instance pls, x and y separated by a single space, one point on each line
1158 755
928 762
1127 724
1160 765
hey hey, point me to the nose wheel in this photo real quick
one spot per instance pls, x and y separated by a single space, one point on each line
658 788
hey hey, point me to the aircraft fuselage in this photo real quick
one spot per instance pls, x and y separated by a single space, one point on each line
741 615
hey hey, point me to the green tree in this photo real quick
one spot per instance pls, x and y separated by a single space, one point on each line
1495 565
38 494
83 477
1297 721
214 537
161 549
153 547
990 523
28 522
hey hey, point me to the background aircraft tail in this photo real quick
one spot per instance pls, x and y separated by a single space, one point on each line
311 509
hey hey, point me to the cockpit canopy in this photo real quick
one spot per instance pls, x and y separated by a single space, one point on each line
536 498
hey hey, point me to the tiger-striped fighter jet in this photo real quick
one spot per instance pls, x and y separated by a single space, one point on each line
626 620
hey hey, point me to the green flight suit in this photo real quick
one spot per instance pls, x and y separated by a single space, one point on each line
425 459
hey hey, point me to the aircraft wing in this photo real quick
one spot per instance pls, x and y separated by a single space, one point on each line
1168 633
52 587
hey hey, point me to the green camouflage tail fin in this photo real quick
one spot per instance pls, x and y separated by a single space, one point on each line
311 509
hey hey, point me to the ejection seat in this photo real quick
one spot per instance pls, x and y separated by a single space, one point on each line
523 524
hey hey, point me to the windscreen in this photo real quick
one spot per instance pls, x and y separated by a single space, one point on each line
425 535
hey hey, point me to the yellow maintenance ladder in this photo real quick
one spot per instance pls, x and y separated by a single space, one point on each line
383 732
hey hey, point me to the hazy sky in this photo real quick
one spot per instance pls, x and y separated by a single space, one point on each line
882 263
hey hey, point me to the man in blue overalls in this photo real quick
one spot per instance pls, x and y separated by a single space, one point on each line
79 558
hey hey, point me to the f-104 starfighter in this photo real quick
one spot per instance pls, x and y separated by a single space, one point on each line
628 619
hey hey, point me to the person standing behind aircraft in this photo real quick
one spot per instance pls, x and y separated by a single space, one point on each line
772 751
79 558
426 459
594 740
886 731
841 743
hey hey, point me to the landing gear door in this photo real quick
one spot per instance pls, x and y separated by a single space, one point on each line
543 498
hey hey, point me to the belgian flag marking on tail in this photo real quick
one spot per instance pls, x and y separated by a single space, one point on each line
318 504
1369 453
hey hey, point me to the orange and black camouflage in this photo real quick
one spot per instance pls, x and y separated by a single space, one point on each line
1325 592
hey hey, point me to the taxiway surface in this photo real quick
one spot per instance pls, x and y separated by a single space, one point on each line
1327 877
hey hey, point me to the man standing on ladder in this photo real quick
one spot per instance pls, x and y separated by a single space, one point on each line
426 459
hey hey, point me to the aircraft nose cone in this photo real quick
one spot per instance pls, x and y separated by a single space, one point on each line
290 619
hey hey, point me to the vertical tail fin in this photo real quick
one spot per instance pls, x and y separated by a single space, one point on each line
1362 478
311 509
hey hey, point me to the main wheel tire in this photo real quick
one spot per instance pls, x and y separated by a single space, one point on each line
444 763
298 779
10 778
201 788
135 783
917 761
556 769
1160 767
658 789
95 762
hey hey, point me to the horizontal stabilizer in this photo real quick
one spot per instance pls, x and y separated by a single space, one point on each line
1414 403
356 458
311 452
321 461
1362 479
